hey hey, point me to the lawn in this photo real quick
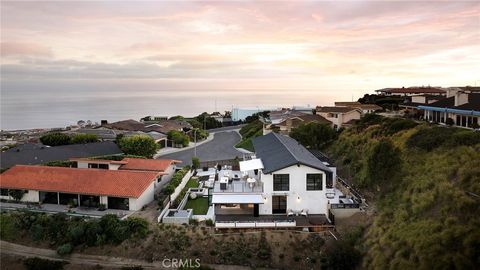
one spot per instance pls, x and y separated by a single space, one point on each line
192 183
199 205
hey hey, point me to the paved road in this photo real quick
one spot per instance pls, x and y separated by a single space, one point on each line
221 147
93 260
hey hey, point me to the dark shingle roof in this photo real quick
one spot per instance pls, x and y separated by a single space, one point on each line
40 154
279 151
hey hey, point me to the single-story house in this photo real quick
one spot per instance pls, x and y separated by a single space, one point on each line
166 167
116 189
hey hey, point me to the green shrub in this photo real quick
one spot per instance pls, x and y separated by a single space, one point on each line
83 138
195 163
8 227
64 163
314 135
209 222
391 126
65 249
178 138
139 145
55 139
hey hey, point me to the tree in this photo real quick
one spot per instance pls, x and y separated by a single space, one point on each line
139 145
313 135
383 164
207 121
16 194
178 138
55 139
195 163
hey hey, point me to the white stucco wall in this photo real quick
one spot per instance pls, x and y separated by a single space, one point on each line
30 196
136 204
312 200
84 165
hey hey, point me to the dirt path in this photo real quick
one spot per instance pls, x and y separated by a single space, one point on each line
92 260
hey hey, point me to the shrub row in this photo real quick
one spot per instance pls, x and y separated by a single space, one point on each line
176 180
67 232
57 138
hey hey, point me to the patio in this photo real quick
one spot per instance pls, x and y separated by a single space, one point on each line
56 208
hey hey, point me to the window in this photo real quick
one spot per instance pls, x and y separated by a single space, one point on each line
314 181
103 166
281 182
93 165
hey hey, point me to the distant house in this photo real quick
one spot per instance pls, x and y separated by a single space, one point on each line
31 154
461 109
410 91
292 122
339 116
103 134
166 167
116 189
157 129
240 114
365 108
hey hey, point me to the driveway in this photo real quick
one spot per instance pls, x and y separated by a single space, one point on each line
221 147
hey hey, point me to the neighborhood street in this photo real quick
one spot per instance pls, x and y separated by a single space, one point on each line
221 147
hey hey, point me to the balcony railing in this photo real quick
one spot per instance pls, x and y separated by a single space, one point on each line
238 187
344 205
256 224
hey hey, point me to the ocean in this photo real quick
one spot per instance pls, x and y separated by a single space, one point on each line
50 108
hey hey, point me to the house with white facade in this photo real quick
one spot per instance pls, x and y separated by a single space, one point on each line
340 116
283 185
80 187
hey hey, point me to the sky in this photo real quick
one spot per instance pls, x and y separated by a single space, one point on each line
307 52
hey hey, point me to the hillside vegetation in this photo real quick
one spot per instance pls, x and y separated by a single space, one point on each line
248 132
425 184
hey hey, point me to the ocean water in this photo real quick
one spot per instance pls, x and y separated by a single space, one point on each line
48 108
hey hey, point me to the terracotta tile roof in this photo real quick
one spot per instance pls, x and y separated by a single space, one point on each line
140 164
79 181
412 90
307 118
346 103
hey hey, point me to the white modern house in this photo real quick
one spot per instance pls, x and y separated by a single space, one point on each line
283 185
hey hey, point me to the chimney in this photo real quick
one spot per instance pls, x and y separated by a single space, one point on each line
461 98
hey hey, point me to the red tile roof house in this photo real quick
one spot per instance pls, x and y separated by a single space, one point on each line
165 166
116 189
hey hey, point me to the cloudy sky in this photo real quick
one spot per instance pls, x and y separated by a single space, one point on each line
343 47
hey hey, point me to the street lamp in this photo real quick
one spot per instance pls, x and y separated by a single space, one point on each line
195 138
